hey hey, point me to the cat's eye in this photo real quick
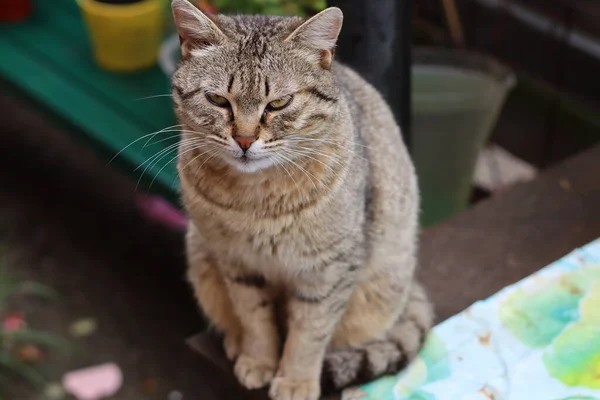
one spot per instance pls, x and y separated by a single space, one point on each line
217 100
281 103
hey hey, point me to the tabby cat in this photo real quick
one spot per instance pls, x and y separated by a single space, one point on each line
303 204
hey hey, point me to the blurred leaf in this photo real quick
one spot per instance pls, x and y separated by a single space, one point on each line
291 9
269 7
30 288
4 382
6 284
54 391
29 353
318 5
272 10
40 338
6 289
18 368
83 327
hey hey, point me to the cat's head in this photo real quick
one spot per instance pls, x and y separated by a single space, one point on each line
255 90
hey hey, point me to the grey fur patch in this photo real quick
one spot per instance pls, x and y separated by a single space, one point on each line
340 369
345 367
322 96
340 286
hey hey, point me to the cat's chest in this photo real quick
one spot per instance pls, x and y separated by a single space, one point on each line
289 242
266 241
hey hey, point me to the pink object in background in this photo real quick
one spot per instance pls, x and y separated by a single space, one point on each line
13 322
94 383
160 210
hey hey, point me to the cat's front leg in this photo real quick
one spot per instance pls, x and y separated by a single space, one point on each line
252 302
314 309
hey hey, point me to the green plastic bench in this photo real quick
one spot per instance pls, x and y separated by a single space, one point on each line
48 57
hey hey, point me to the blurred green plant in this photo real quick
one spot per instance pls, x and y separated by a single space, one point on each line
269 7
11 364
301 8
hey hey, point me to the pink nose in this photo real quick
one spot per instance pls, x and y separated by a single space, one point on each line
244 141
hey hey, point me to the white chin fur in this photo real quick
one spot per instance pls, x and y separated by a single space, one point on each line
250 166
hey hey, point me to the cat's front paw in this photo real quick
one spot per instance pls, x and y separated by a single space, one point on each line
253 373
283 388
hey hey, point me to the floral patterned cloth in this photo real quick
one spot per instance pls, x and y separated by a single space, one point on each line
538 339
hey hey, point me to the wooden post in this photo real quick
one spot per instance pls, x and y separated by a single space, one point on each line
400 75
375 41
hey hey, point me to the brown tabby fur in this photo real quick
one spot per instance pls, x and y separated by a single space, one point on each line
318 219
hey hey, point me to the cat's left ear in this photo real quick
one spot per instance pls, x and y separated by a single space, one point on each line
196 29
320 33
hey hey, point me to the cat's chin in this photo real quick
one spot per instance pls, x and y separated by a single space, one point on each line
249 165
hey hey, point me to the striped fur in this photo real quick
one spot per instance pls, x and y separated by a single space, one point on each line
354 365
302 248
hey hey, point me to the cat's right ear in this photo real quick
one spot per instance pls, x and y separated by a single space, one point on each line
196 30
320 33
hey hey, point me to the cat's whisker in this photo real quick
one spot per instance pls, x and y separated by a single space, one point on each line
317 139
332 170
190 162
307 173
188 147
149 162
166 130
333 157
151 159
211 154
217 139
273 145
191 148
294 138
153 97
175 130
308 155
183 133
210 157
308 150
199 131
188 133
355 154
194 159
297 142
170 138
137 140
175 181
166 149
277 159
154 160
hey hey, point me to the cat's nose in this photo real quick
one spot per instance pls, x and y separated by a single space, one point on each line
244 141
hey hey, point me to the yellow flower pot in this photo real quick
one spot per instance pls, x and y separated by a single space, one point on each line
125 37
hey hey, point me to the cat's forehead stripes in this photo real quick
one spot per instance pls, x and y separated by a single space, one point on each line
251 27
252 62
230 84
248 88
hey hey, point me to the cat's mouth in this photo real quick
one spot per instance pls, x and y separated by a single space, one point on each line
248 158
250 162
